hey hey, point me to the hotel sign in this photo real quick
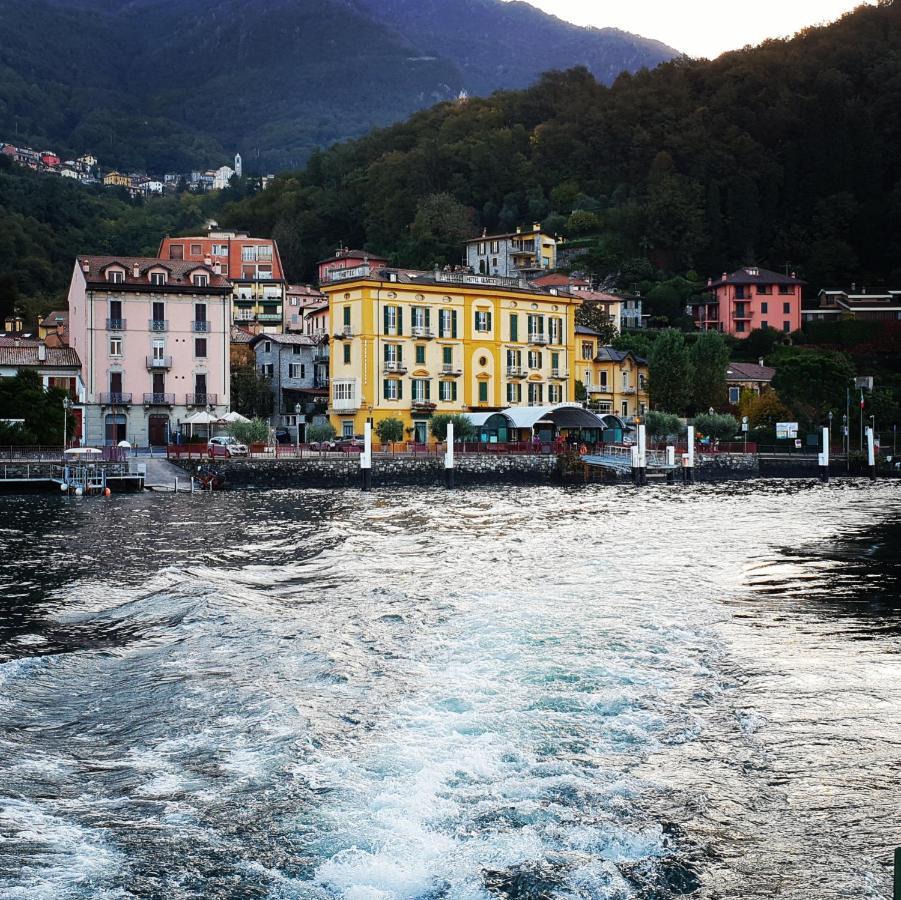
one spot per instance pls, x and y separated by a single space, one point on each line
786 430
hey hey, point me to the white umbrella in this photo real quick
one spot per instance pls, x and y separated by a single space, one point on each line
200 418
234 417
124 444
83 451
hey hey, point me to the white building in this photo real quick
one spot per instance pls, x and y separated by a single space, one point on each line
221 177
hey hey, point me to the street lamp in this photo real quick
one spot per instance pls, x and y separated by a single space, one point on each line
67 405
297 411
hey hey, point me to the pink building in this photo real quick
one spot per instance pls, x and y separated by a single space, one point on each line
349 264
153 338
748 299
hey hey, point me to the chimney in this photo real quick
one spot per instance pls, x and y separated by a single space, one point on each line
208 260
42 352
853 286
536 226
709 281
136 271
725 276
85 266
217 268
760 361
518 230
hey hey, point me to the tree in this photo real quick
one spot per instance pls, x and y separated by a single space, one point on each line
669 372
440 226
321 431
255 431
662 424
709 360
463 427
759 343
251 392
720 426
812 382
390 430
581 392
591 314
24 397
764 410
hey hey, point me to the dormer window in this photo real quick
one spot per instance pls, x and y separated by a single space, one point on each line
157 277
200 280
753 271
116 276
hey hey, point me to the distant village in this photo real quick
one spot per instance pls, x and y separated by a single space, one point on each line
86 169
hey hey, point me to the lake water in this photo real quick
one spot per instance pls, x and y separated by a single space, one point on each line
516 692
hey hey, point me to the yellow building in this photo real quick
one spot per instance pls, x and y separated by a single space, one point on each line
615 381
117 179
406 345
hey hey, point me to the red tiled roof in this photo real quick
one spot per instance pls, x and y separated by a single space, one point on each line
27 355
749 372
51 319
762 276
178 277
353 254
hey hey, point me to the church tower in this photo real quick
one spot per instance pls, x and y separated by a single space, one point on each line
238 166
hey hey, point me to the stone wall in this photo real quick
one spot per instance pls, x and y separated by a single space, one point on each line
723 466
386 471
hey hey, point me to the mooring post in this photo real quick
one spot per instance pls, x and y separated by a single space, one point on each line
897 893
636 459
449 457
176 485
690 463
824 456
871 453
670 465
366 459
642 453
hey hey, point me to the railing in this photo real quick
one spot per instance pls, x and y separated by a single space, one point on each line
200 325
394 366
201 399
420 331
54 454
422 404
516 372
450 369
244 317
187 451
116 325
344 332
159 399
321 381
537 337
115 399
159 362
345 404
158 324
321 356
559 373
486 280
598 389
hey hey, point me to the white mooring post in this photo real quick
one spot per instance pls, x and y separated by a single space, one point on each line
642 453
449 457
690 462
670 465
366 459
635 461
824 456
871 452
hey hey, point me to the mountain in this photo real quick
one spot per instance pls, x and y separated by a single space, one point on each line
785 155
173 84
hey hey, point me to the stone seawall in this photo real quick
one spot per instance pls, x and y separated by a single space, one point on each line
726 466
386 471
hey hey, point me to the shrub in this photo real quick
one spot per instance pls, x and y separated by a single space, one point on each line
390 430
322 431
662 424
721 426
463 427
256 431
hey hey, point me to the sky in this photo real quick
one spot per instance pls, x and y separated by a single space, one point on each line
701 27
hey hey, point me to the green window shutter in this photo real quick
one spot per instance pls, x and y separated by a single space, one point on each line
514 327
385 320
420 355
347 315
555 360
440 324
448 355
483 391
400 353
428 317
454 391
400 390
454 323
387 352
400 320
428 389
347 353
489 320
385 388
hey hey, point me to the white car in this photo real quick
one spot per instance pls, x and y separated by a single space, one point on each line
227 446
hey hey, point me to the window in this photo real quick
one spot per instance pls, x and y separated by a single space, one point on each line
200 384
344 390
345 316
420 317
739 327
536 325
764 289
422 390
554 393
220 249
200 280
514 393
764 307
786 289
587 379
587 349
159 349
420 354
393 320
297 370
264 252
535 359
495 247
625 381
514 327
786 327
483 392
734 395
295 350
483 320
447 391
115 346
157 277
556 330
447 323
787 308
196 249
176 251
514 359
447 356
200 348
347 353
481 248
603 378
267 346
764 324
248 253
347 428
393 389
536 394
115 276
267 370
394 353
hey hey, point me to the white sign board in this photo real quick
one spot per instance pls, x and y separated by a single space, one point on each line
786 430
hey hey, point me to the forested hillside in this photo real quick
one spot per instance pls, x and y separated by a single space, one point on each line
177 84
785 154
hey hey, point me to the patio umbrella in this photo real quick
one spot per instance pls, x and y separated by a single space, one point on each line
200 418
124 444
83 451
234 417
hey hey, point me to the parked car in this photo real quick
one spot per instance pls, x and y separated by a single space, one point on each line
353 444
322 445
225 446
283 436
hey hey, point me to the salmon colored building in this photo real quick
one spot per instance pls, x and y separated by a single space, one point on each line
252 265
748 299
349 264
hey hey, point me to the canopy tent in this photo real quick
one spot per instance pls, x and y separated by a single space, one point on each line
522 422
233 417
201 417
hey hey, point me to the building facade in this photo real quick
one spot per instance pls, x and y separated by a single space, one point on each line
298 368
832 306
299 300
252 265
754 377
346 263
615 381
407 345
153 338
524 253
749 299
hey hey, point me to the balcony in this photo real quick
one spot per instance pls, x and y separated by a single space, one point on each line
202 326
538 337
116 325
201 399
321 381
345 404
159 399
344 274
628 389
269 317
115 399
159 362
394 367
516 372
321 356
451 369
420 331
346 332
245 317
158 324
559 373
598 389
420 404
